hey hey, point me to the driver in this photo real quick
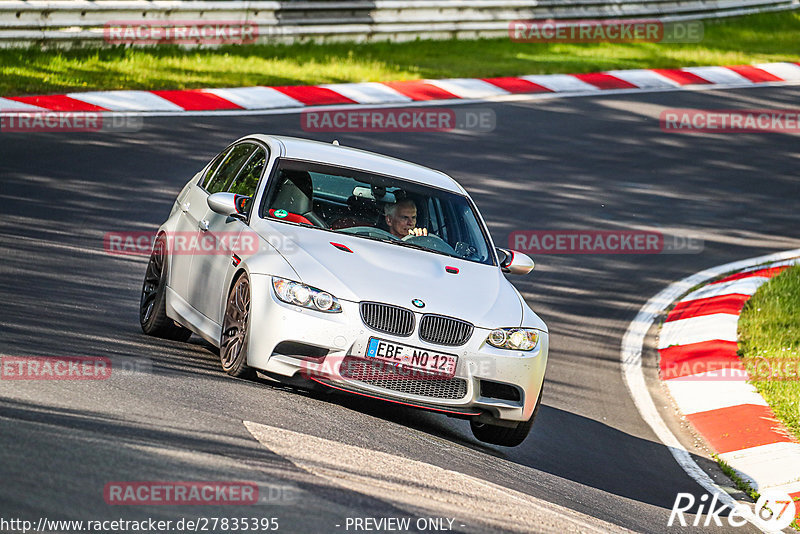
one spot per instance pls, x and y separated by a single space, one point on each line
401 218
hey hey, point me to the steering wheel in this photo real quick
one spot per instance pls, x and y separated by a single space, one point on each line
430 241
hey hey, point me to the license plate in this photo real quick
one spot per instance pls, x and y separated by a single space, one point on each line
412 357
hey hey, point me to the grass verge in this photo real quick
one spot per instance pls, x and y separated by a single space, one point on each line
769 343
755 38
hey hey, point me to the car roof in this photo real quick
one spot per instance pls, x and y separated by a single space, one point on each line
306 149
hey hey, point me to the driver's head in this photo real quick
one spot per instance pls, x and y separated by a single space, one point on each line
401 217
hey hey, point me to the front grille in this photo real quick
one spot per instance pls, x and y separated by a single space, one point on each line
444 330
403 380
388 319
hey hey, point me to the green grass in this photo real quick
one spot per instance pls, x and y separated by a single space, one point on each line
769 330
756 38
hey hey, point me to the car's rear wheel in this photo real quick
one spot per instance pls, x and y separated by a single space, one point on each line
507 436
153 303
233 344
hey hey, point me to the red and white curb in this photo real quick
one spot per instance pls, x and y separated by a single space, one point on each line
249 99
700 334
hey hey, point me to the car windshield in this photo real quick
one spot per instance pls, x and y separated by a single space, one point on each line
377 207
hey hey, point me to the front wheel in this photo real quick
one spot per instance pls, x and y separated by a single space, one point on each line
507 436
233 345
153 303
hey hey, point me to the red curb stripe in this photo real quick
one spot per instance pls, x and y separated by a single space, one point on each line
517 85
196 100
739 427
685 360
754 74
681 76
605 81
419 90
731 304
311 95
57 103
767 273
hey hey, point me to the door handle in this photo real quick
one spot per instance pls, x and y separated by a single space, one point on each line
203 225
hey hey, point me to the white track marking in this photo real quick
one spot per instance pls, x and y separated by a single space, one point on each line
13 105
786 71
423 489
693 397
368 92
561 83
743 286
644 78
468 87
256 97
767 466
719 75
721 326
631 364
127 101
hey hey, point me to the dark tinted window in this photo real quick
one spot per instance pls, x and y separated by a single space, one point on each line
213 168
247 180
230 167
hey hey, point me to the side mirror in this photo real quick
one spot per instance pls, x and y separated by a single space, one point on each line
514 262
229 204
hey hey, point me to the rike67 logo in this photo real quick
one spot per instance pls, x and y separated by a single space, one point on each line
774 511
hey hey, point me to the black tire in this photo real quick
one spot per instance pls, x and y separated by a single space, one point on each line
233 342
153 302
507 436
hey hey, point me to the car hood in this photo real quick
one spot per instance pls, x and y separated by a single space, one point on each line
383 272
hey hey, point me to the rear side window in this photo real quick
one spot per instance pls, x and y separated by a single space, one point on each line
247 180
212 168
229 168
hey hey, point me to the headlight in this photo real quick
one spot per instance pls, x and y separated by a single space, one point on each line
305 296
513 338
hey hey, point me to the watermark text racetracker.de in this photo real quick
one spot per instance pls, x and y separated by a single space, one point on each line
605 31
54 368
419 119
603 242
69 121
180 32
730 120
240 523
139 243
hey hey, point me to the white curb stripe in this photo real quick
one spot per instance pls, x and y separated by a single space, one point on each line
468 87
631 363
368 92
786 71
644 79
695 397
560 82
719 75
720 326
126 100
256 97
742 286
767 466
13 105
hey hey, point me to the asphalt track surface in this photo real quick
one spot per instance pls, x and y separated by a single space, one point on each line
598 162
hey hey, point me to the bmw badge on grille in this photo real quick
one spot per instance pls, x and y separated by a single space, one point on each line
418 303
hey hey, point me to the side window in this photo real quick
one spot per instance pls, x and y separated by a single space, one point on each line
229 168
247 180
213 168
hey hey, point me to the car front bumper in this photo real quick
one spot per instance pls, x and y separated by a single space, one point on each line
337 343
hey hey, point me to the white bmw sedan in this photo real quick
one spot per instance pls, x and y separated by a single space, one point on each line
316 263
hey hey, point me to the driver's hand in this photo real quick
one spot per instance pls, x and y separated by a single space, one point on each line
418 231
